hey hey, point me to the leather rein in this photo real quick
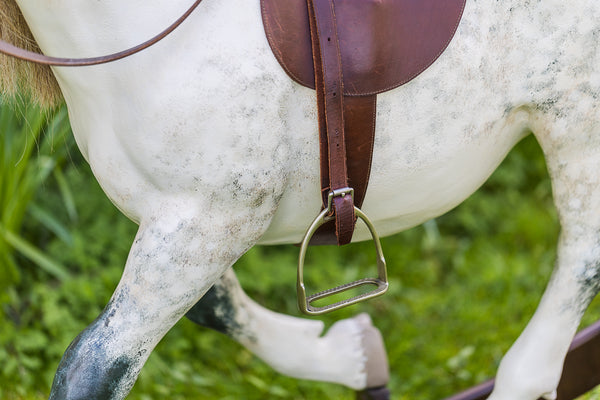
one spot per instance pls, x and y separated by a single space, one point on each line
38 58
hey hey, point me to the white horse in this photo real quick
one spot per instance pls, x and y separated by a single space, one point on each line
206 143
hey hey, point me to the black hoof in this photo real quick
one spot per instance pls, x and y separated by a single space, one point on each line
379 393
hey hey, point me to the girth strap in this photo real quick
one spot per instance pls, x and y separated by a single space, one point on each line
330 102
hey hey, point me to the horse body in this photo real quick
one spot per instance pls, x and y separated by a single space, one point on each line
228 103
206 143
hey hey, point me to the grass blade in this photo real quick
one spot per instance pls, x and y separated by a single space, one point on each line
66 193
51 223
34 254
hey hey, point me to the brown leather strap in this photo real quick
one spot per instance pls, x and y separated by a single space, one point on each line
359 113
359 132
330 101
37 58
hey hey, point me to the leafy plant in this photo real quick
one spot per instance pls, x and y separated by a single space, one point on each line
32 146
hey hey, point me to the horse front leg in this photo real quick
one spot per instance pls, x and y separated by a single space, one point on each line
533 366
176 257
351 353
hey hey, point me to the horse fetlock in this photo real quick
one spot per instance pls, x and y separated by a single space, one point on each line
522 393
520 379
527 389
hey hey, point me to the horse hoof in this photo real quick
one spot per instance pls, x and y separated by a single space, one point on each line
376 365
380 393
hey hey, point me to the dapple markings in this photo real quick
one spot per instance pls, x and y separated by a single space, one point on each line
207 144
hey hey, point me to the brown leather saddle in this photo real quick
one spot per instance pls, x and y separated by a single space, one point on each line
351 50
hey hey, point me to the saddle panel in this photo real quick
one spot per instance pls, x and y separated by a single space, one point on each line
383 43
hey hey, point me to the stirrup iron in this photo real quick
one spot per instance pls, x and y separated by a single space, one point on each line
381 282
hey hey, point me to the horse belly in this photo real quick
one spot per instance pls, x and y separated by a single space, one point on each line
431 152
411 182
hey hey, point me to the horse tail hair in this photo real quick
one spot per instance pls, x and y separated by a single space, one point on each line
20 79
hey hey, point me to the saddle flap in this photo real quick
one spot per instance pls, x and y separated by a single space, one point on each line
383 43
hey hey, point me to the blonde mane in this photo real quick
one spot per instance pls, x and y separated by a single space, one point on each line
19 78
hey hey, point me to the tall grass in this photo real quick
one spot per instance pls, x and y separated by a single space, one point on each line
32 145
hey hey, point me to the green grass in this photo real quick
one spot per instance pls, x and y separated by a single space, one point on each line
462 288
28 139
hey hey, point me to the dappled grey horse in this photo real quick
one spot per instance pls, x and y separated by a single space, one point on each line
208 145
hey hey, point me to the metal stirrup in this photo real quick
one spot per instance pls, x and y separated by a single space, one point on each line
380 283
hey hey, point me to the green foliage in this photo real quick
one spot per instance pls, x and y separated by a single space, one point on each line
462 287
28 138
33 148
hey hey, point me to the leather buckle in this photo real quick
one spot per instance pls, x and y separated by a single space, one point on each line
380 282
338 193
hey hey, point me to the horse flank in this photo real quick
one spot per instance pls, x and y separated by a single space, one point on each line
20 78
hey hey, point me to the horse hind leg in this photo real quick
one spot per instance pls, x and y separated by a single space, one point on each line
533 366
351 353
